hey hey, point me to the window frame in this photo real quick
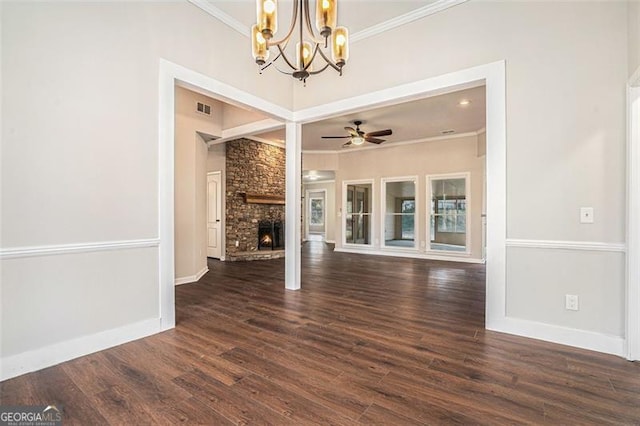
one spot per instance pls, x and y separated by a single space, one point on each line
416 213
467 189
371 214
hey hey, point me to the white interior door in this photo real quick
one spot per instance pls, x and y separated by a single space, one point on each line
214 215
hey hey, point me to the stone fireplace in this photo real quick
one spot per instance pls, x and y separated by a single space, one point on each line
255 188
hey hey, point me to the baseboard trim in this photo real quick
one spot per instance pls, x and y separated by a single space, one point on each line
192 278
411 255
37 359
567 245
584 339
33 251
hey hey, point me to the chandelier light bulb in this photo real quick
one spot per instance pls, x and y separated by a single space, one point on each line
267 16
269 6
259 48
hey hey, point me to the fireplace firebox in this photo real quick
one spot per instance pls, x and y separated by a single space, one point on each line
270 235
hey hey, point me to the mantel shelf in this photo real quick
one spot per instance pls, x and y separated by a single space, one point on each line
262 198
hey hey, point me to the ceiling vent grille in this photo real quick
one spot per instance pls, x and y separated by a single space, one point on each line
203 108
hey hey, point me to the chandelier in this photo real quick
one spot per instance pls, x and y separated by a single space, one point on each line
308 47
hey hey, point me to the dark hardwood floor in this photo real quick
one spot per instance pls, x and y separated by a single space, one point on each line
368 340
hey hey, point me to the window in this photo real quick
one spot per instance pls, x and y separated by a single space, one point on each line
448 213
400 211
358 213
317 212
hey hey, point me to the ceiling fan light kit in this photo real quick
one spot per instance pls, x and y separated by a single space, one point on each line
357 140
308 46
358 137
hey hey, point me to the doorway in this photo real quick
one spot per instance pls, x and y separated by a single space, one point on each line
493 74
214 214
316 215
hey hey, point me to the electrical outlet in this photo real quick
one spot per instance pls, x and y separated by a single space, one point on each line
571 302
237 243
586 214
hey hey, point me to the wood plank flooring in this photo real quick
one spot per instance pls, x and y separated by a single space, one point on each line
368 340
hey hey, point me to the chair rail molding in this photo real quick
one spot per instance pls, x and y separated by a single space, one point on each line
567 245
57 249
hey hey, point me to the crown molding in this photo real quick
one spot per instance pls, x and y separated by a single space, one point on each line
392 145
225 18
318 181
414 15
266 141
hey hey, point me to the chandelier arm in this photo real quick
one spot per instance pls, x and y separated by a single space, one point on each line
312 34
294 19
320 70
283 72
284 57
307 18
329 62
264 67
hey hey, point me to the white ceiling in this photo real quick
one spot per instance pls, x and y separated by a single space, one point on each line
350 12
410 121
416 120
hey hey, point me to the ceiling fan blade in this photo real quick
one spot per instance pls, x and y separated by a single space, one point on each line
374 140
335 137
379 133
352 131
348 144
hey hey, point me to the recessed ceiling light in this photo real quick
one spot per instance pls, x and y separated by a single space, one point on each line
464 102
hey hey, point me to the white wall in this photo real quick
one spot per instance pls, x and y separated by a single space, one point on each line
80 154
634 35
191 181
315 161
216 158
453 155
566 70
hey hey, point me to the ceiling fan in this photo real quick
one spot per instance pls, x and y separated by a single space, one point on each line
358 137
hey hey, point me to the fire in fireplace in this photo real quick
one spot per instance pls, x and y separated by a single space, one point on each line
270 235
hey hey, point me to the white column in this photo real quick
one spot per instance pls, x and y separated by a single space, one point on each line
293 217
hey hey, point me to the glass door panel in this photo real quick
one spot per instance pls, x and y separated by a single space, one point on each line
448 218
358 214
400 210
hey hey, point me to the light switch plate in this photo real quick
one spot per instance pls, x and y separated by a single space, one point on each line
586 214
